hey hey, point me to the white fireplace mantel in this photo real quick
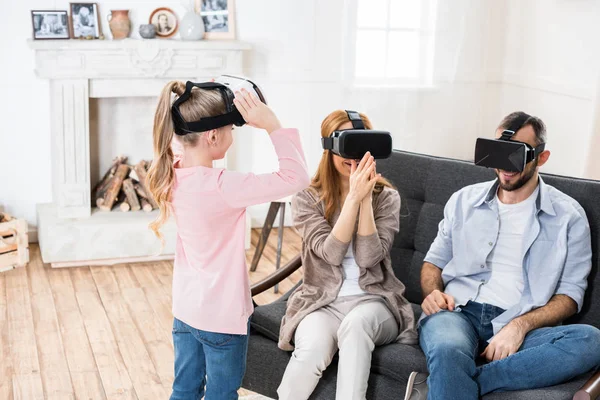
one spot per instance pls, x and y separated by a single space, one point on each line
138 67
82 69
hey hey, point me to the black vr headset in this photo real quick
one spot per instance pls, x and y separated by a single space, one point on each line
227 85
354 143
504 153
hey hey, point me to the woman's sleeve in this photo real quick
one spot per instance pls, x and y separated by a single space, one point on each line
316 231
241 190
371 250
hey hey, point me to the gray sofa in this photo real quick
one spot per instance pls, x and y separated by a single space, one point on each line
425 184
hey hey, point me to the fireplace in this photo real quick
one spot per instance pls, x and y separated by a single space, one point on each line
82 74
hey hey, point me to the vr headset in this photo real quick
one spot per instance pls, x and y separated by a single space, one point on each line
354 143
504 153
227 85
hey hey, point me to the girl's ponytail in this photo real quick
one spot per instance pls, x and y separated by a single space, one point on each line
161 175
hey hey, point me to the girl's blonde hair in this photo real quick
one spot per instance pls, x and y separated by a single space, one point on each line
161 175
326 181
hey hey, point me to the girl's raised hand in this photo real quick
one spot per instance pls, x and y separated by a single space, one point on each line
256 113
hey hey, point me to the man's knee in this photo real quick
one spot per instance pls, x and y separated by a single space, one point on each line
445 336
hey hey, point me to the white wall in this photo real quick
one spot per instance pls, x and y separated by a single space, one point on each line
551 69
492 57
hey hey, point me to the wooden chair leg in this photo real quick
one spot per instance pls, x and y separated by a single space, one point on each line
264 235
280 239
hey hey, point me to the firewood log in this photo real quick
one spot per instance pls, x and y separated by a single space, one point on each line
140 170
147 207
140 191
132 197
101 187
124 206
115 186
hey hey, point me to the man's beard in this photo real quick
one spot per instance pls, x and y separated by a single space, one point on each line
525 177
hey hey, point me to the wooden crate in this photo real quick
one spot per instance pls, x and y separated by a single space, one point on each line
14 243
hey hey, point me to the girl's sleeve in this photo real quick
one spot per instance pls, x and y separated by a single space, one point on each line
241 190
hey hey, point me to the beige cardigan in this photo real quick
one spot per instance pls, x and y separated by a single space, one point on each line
322 256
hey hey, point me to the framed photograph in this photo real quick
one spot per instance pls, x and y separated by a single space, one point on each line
218 17
165 21
85 20
50 24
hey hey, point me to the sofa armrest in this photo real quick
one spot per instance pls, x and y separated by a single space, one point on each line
591 389
277 276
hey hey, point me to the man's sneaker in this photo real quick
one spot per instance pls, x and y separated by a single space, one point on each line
416 388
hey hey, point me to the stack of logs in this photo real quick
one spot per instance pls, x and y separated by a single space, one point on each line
117 189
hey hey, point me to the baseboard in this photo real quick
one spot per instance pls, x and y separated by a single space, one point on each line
32 234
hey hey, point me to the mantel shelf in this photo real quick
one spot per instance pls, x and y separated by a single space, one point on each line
125 44
129 59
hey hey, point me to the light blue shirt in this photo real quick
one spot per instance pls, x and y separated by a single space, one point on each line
558 250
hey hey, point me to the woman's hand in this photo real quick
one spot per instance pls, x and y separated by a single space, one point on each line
374 177
256 113
362 178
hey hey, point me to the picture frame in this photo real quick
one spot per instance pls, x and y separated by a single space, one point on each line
218 17
85 20
166 22
50 24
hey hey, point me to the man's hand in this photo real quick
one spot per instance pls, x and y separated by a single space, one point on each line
506 343
437 301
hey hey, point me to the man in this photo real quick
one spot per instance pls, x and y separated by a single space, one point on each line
508 266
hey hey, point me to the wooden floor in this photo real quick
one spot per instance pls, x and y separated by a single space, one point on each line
98 332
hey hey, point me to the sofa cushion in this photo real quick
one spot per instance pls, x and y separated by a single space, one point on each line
267 319
397 361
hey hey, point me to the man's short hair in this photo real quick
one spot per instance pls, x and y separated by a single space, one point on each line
537 124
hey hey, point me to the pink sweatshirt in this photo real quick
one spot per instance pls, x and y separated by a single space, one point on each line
211 289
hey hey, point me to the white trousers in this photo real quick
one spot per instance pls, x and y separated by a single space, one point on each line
354 325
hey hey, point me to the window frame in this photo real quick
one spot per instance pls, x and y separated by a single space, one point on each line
425 33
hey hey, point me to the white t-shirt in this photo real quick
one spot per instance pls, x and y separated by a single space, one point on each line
505 287
350 285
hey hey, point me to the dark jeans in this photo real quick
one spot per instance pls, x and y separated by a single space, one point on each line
452 340
200 356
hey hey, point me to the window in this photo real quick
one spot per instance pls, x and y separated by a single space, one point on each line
391 42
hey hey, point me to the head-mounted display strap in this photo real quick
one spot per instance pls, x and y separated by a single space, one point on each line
327 143
533 153
514 127
183 127
354 117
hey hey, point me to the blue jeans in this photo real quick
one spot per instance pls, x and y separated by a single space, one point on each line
452 341
200 356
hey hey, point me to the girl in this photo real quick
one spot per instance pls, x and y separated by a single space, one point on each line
211 293
350 299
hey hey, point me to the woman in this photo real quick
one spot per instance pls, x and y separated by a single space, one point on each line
349 299
163 24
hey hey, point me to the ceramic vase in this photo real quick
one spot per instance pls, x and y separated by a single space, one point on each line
119 23
191 26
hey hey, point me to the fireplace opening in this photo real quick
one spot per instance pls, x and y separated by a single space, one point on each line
120 150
